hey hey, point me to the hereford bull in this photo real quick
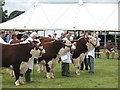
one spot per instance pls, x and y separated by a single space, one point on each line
83 46
16 54
54 49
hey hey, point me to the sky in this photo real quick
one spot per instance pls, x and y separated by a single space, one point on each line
24 5
99 14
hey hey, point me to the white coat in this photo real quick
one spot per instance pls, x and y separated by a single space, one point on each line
66 58
31 63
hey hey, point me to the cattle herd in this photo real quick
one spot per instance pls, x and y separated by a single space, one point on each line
14 55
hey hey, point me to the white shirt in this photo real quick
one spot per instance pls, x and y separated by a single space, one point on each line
68 58
68 54
91 53
98 41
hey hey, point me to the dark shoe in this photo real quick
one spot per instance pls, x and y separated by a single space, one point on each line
81 69
27 75
67 75
91 72
86 68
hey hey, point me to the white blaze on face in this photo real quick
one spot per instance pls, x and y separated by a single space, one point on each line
89 46
35 53
91 40
73 47
63 51
43 50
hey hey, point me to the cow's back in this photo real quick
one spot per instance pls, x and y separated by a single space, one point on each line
51 49
12 54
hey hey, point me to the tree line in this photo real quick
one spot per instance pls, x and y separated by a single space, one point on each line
4 13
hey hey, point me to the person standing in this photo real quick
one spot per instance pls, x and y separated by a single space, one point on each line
66 59
2 35
110 49
91 56
97 49
31 64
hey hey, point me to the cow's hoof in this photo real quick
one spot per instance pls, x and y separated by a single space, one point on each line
22 82
52 77
48 77
38 72
17 83
77 73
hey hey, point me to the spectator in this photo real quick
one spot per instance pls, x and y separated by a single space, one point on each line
97 49
110 49
62 36
2 35
7 37
14 39
55 36
49 36
118 48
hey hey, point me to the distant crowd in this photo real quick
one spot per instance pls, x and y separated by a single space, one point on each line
13 37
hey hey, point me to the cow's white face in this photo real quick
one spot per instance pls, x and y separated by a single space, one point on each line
92 43
42 49
37 52
63 51
73 47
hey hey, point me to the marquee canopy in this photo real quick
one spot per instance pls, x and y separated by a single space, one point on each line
96 17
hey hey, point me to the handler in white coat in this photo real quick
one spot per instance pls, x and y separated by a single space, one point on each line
31 64
66 59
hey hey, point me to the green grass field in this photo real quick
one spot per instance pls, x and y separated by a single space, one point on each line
105 76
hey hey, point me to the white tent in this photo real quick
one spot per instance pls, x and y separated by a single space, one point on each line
67 17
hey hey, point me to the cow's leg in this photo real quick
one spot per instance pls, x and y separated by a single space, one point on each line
16 69
48 71
76 63
52 65
11 71
41 66
21 79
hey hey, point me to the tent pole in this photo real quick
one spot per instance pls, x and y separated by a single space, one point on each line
44 33
115 39
105 40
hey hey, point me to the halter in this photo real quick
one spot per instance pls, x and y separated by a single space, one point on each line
94 45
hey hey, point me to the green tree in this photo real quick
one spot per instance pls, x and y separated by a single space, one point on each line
2 3
15 14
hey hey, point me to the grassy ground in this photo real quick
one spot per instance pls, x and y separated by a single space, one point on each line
105 76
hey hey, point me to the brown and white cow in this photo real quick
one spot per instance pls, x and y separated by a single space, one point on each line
54 49
83 46
16 54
